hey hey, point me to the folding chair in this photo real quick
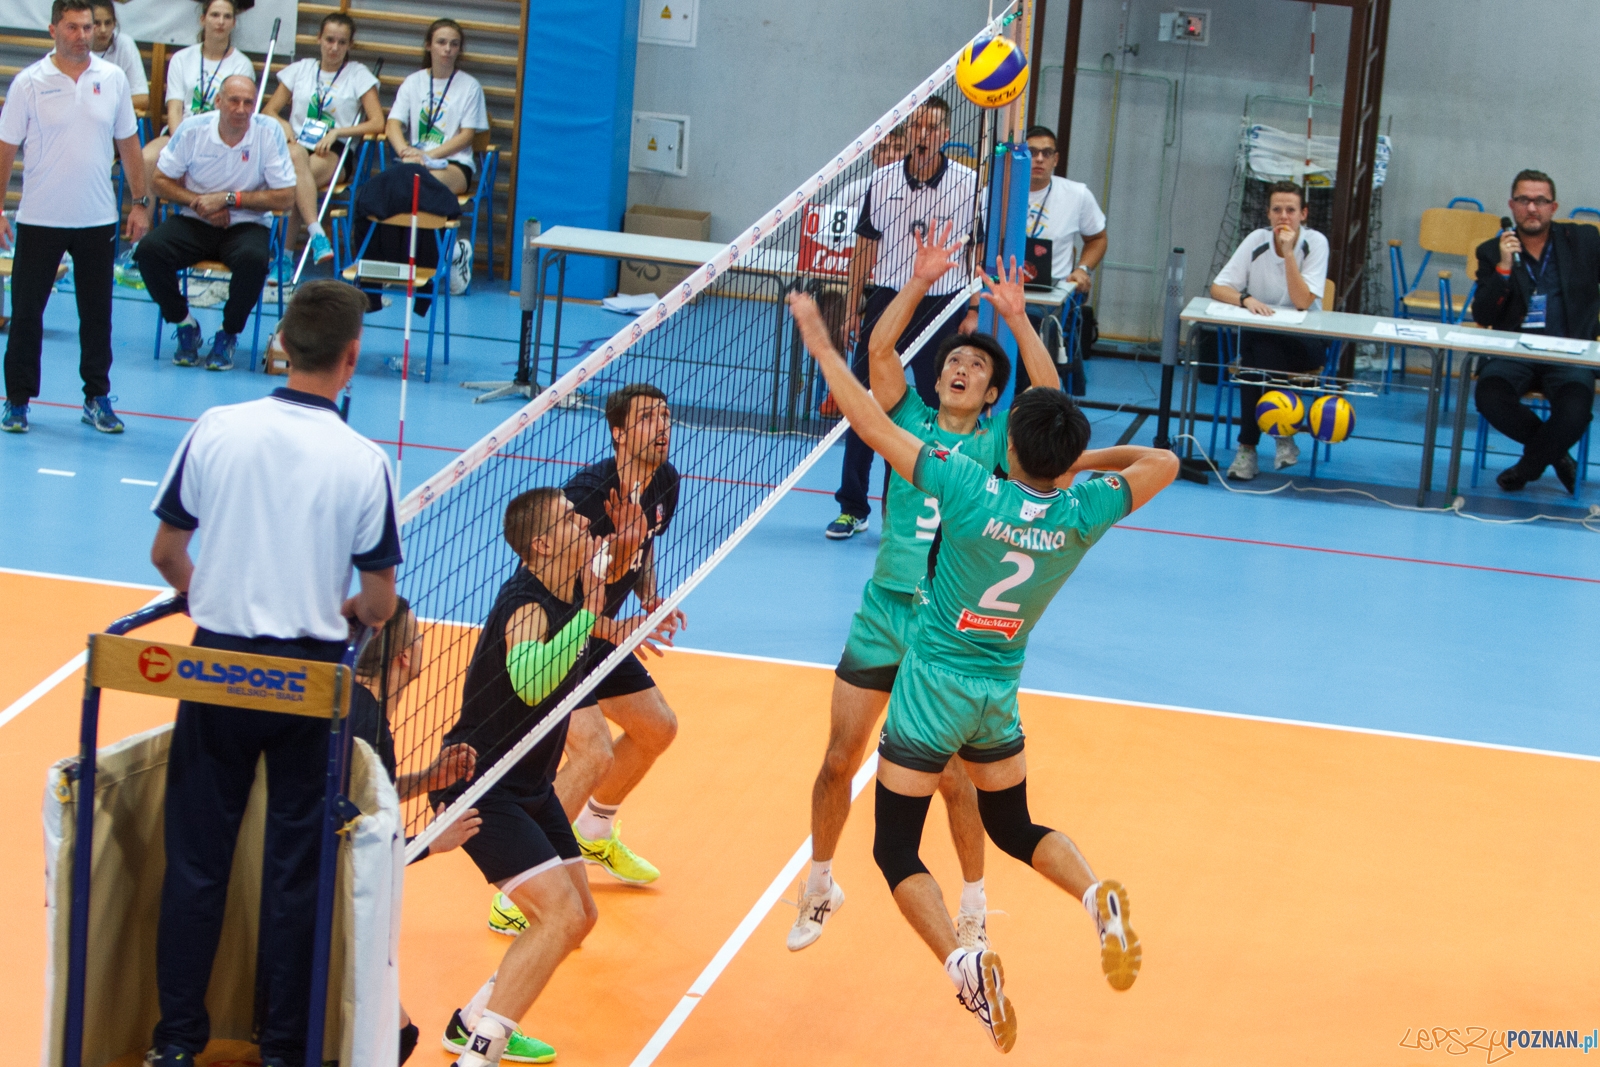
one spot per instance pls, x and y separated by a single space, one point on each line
1448 231
444 237
215 270
1228 346
472 204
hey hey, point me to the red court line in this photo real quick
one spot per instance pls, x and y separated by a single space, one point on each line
1361 555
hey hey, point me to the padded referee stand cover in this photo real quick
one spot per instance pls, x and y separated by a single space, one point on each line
125 899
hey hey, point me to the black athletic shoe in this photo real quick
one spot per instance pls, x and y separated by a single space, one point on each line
170 1056
1567 470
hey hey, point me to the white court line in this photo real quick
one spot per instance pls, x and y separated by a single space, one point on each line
61 673
58 474
78 578
1183 709
137 481
741 933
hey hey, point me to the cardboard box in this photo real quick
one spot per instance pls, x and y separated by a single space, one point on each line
637 276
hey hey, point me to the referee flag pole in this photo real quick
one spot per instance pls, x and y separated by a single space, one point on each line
266 64
411 304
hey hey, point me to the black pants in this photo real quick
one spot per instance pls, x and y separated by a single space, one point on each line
1269 351
181 242
33 272
1570 391
857 472
209 774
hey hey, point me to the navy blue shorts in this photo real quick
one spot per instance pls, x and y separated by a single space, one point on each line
520 834
629 677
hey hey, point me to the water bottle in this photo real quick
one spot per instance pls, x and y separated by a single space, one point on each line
126 271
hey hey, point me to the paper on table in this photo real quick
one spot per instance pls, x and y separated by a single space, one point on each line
1404 331
1280 316
1481 339
1568 345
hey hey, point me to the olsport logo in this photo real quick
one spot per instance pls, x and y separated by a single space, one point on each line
240 680
999 624
155 664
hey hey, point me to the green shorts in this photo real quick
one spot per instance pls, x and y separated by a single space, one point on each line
935 714
879 634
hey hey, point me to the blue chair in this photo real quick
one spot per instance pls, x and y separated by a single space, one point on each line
1448 231
481 199
1595 211
1480 444
218 271
1228 348
444 235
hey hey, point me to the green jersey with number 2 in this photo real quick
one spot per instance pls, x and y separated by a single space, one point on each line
910 516
1003 552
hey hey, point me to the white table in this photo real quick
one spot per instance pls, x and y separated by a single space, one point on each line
1343 326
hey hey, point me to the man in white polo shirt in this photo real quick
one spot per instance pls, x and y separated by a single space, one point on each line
1061 213
66 112
1282 267
919 198
227 168
254 478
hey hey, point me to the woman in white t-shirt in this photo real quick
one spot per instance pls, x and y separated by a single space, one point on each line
438 109
195 74
329 99
120 51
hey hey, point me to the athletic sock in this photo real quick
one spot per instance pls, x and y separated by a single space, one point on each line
189 320
820 880
479 1002
594 821
488 1041
972 898
952 968
316 228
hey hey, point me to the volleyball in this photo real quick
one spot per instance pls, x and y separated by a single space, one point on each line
1332 419
1279 413
992 72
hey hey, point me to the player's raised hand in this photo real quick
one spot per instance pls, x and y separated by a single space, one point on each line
629 521
813 330
936 254
1004 291
674 620
457 832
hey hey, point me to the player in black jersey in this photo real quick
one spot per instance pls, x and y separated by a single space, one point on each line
634 496
534 649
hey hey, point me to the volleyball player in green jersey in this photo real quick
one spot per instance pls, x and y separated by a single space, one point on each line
973 371
1003 551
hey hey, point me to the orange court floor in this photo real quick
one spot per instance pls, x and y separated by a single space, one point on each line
1305 895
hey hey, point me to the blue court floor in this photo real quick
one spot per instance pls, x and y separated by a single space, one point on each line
1304 605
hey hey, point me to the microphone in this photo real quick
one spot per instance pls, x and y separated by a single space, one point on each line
1505 224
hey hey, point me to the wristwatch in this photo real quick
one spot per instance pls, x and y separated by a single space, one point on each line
141 201
1244 294
231 200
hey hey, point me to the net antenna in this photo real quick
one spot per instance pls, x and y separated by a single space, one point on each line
746 425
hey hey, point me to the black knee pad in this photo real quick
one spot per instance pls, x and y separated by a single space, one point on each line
1005 817
898 835
408 1041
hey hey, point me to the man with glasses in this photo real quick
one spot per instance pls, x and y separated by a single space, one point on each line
923 195
1540 277
1061 214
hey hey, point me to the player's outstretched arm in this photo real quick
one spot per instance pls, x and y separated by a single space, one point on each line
1006 295
898 448
933 261
1148 470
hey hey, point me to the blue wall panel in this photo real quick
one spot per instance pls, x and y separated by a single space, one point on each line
577 117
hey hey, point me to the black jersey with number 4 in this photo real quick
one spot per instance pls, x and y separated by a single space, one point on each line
589 490
493 717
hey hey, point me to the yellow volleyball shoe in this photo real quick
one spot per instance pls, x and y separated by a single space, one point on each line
615 858
505 917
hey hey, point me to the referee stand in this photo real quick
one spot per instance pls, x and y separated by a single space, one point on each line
102 1008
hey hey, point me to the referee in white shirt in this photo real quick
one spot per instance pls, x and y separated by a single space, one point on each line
1282 267
66 112
1061 213
289 499
227 168
920 197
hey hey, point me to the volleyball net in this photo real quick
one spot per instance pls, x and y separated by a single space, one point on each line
747 409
